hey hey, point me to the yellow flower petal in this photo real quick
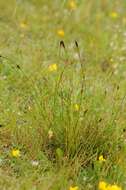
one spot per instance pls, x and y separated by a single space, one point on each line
74 188
114 15
15 153
61 33
52 67
76 107
101 158
113 187
102 185
72 5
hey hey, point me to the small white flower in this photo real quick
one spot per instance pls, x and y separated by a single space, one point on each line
35 163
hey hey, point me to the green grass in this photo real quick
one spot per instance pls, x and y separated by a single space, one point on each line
62 121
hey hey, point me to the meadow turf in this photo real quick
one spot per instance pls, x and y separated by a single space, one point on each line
62 94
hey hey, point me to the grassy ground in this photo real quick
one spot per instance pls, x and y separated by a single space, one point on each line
62 94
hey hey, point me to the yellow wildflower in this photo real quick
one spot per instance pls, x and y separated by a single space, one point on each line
101 158
102 185
24 24
72 5
15 153
61 32
114 15
113 187
76 107
74 188
52 67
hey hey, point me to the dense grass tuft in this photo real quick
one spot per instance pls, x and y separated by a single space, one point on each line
62 102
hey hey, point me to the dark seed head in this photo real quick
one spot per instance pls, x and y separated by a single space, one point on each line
18 67
76 43
117 87
62 44
100 119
